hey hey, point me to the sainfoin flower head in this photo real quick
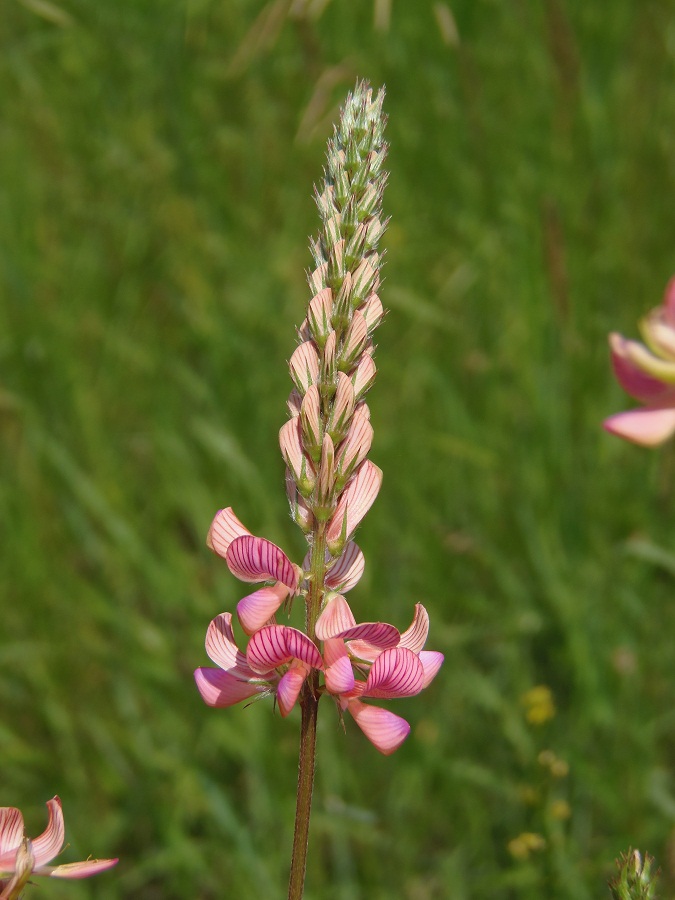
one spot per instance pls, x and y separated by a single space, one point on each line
21 857
647 372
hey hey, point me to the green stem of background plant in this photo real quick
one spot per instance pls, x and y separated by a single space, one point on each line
310 707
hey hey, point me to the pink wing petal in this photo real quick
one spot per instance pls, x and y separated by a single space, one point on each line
416 636
347 569
354 503
395 673
384 729
431 661
289 687
256 559
339 674
224 529
256 609
49 844
275 645
364 650
380 635
647 427
335 617
222 649
11 830
221 689
78 869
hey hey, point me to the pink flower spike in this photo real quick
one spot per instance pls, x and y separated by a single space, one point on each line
354 503
431 661
275 645
257 609
647 426
397 672
222 689
254 559
385 730
224 529
24 856
289 688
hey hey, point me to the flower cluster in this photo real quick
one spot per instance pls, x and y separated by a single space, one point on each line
330 482
279 658
648 374
21 857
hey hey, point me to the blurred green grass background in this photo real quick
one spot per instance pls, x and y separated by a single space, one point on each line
156 165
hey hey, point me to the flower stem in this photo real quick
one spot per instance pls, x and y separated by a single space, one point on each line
309 704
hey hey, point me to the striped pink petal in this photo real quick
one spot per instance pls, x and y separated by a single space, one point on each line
416 636
78 869
396 672
347 569
304 366
384 729
256 559
339 675
224 529
354 503
49 843
289 687
11 831
222 648
364 375
381 635
431 661
257 609
335 617
646 426
221 689
275 645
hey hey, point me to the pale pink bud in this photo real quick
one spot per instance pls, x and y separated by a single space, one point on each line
304 366
365 278
355 447
310 418
318 315
364 376
342 409
324 487
304 333
355 340
375 230
333 229
329 366
335 272
317 278
294 402
301 514
372 311
342 305
354 503
290 441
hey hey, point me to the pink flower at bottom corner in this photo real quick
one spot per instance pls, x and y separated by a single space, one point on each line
21 857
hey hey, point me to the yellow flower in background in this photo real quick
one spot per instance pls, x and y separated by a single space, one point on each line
539 705
525 844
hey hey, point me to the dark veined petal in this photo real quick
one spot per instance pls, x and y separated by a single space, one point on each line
395 673
11 831
354 503
347 569
380 635
222 649
224 529
222 689
384 729
49 844
256 609
275 645
256 559
416 636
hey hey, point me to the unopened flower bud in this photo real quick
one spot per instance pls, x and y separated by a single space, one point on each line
317 278
324 505
355 341
318 316
364 376
294 402
342 307
301 514
342 409
335 271
304 366
332 230
310 419
355 447
329 367
365 279
302 470
372 311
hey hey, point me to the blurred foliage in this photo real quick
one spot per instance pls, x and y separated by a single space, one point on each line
156 163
